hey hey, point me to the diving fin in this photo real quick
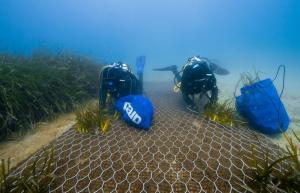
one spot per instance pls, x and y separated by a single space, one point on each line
172 68
140 64
218 70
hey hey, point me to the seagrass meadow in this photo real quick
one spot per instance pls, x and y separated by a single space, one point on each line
37 87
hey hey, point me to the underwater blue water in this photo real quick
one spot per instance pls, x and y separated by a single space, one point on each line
241 35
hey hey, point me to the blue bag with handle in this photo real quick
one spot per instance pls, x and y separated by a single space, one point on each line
261 105
136 110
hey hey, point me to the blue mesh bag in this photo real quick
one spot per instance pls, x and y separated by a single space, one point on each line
261 105
136 110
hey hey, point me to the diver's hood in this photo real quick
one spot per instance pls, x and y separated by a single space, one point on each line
121 65
196 59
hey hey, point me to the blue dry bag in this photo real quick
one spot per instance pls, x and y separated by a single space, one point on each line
136 110
260 104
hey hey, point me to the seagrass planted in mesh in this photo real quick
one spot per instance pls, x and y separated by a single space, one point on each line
181 153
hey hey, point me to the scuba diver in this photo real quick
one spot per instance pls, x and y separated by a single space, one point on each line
116 80
196 80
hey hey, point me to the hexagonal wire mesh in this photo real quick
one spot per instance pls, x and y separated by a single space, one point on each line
181 153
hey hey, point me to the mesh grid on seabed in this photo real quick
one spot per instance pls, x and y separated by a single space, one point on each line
181 153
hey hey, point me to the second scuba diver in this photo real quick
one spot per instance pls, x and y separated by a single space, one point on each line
196 80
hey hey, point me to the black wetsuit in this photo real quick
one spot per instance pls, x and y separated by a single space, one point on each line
118 83
198 78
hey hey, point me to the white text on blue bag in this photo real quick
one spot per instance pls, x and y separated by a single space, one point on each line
131 113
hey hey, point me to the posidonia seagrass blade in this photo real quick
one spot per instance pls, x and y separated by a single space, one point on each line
35 178
268 179
35 88
224 113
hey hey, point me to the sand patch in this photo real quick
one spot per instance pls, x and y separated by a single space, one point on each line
43 133
292 104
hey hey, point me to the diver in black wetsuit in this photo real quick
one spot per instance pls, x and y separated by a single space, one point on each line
196 78
116 81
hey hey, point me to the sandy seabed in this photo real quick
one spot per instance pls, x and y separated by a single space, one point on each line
292 104
43 133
